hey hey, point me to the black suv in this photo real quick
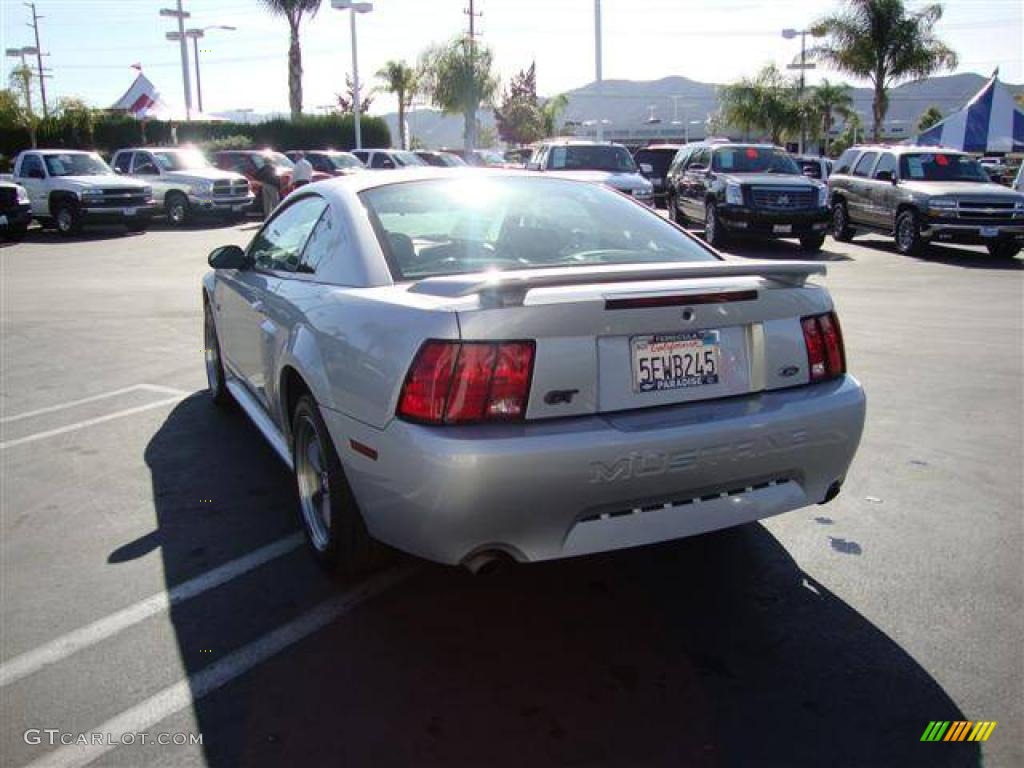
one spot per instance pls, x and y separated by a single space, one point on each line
748 189
659 157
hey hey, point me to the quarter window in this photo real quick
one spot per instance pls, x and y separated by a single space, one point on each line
279 244
863 167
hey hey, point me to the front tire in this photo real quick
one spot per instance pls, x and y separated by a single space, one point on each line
841 229
331 519
67 219
812 243
714 232
177 208
214 365
1003 250
908 234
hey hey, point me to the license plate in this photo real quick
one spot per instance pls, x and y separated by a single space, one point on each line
782 229
990 231
675 361
130 211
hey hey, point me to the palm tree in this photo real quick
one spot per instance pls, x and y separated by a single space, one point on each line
458 78
550 110
769 102
403 81
826 100
929 117
293 11
881 41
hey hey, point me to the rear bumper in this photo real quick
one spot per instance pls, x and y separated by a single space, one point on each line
575 486
764 223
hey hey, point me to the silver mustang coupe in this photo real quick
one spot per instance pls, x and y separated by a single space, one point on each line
475 365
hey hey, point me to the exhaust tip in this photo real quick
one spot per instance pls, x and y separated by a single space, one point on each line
487 563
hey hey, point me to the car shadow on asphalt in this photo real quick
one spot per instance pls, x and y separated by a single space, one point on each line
715 650
950 255
781 249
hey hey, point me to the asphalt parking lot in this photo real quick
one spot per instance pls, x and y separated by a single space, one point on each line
152 579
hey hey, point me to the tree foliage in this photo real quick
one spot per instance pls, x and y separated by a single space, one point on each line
884 42
826 101
346 100
458 78
518 115
931 116
403 81
768 102
293 11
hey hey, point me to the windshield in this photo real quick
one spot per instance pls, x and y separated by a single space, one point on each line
938 166
591 157
407 158
343 160
76 165
752 160
274 158
452 226
658 159
188 160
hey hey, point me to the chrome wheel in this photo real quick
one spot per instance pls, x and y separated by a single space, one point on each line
65 220
906 233
314 487
839 222
212 354
177 210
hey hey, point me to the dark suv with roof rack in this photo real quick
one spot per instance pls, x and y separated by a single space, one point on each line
921 195
746 189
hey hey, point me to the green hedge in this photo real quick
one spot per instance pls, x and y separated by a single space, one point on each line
112 132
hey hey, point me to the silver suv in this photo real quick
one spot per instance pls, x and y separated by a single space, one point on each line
598 161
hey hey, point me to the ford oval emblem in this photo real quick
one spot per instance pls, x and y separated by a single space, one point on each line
789 370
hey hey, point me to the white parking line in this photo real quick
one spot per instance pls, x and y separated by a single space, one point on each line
90 422
59 649
92 399
147 714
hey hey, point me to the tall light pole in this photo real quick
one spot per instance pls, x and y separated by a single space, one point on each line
25 72
803 66
195 35
181 15
597 61
348 5
39 56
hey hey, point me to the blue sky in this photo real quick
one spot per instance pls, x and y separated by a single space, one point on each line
94 42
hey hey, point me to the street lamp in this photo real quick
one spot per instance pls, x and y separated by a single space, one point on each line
597 59
21 53
194 35
804 65
363 7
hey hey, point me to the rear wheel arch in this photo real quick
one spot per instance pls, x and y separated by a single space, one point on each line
291 388
59 196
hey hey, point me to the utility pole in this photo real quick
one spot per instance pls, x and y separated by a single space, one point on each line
39 57
803 66
597 64
470 137
180 14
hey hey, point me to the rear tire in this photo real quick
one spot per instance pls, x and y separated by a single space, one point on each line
841 229
908 234
67 219
812 243
177 209
330 516
215 379
1003 250
714 233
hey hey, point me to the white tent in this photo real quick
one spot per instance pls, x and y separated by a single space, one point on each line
143 101
990 122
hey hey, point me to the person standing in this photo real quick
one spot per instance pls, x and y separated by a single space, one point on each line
303 172
266 174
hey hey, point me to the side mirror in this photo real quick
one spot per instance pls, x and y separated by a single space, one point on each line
884 176
646 169
228 257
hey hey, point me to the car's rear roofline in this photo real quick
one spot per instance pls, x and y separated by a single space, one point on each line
510 288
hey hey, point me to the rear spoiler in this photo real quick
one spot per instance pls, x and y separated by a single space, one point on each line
510 288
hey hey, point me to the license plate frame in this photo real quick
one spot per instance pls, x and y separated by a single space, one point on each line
782 229
130 211
990 231
702 348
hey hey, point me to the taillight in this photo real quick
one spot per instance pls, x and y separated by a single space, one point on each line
824 342
454 382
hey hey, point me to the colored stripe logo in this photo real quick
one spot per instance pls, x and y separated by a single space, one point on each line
958 730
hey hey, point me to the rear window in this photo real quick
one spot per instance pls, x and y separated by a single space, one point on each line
590 157
658 159
452 226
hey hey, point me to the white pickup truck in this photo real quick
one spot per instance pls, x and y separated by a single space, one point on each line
71 188
185 183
